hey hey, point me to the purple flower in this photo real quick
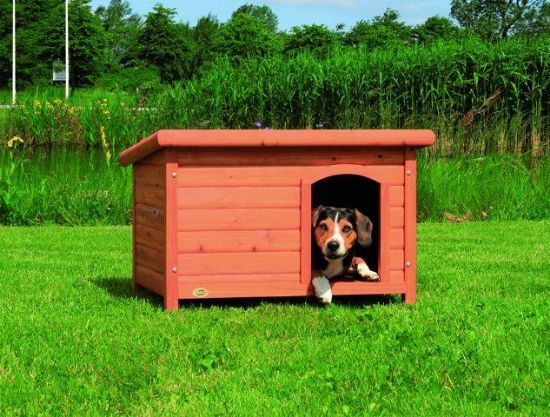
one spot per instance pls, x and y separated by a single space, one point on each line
258 124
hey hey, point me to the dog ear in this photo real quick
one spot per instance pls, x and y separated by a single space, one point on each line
315 215
364 229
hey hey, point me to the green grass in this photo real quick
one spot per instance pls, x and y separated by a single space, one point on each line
75 341
83 188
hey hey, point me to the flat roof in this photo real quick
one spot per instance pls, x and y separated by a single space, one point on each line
221 138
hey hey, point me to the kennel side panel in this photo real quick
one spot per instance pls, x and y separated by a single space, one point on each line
230 223
149 249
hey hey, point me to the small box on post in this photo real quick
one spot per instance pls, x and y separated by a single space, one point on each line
227 213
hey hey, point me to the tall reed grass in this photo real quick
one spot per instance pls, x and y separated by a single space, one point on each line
86 188
480 98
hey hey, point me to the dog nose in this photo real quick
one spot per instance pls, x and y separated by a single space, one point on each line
333 245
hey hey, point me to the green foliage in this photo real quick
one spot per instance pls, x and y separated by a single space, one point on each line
90 188
76 340
436 28
262 13
41 41
245 36
382 31
166 45
479 98
313 38
122 28
204 36
499 19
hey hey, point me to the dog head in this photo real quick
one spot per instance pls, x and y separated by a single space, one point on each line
337 230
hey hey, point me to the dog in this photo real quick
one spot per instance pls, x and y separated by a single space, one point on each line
337 232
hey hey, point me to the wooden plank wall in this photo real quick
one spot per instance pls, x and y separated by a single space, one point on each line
149 224
238 223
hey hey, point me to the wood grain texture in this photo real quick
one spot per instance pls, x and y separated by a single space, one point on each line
150 216
147 236
397 217
150 195
239 263
149 174
397 196
284 289
397 259
397 238
150 258
239 278
238 219
238 197
149 279
291 176
289 156
397 276
239 241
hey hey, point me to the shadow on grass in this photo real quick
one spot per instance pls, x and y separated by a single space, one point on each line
121 287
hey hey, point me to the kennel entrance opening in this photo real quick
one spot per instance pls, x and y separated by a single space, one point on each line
352 186
354 192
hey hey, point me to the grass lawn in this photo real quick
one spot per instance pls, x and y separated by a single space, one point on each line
75 341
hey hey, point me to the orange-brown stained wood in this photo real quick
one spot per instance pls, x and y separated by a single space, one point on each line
274 138
149 174
290 156
150 216
149 195
238 197
150 279
275 175
150 258
238 219
239 241
239 263
229 210
149 237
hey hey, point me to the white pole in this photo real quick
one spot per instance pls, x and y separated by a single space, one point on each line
66 48
13 70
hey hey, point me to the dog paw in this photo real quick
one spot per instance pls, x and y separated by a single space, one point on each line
365 273
322 289
326 298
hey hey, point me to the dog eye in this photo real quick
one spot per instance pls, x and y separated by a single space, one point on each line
346 229
323 227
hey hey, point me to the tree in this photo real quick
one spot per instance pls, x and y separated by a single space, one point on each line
498 19
165 45
316 38
41 41
245 36
381 31
122 28
434 28
262 13
204 34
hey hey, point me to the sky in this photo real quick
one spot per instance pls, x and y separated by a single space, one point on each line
299 12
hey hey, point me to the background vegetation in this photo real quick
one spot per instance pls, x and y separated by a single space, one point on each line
483 86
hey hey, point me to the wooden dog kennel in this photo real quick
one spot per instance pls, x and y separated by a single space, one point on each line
227 213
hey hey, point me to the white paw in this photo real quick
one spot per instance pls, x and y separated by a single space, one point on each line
322 289
365 273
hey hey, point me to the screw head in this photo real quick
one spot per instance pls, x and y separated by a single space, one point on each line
409 172
408 264
174 269
174 174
